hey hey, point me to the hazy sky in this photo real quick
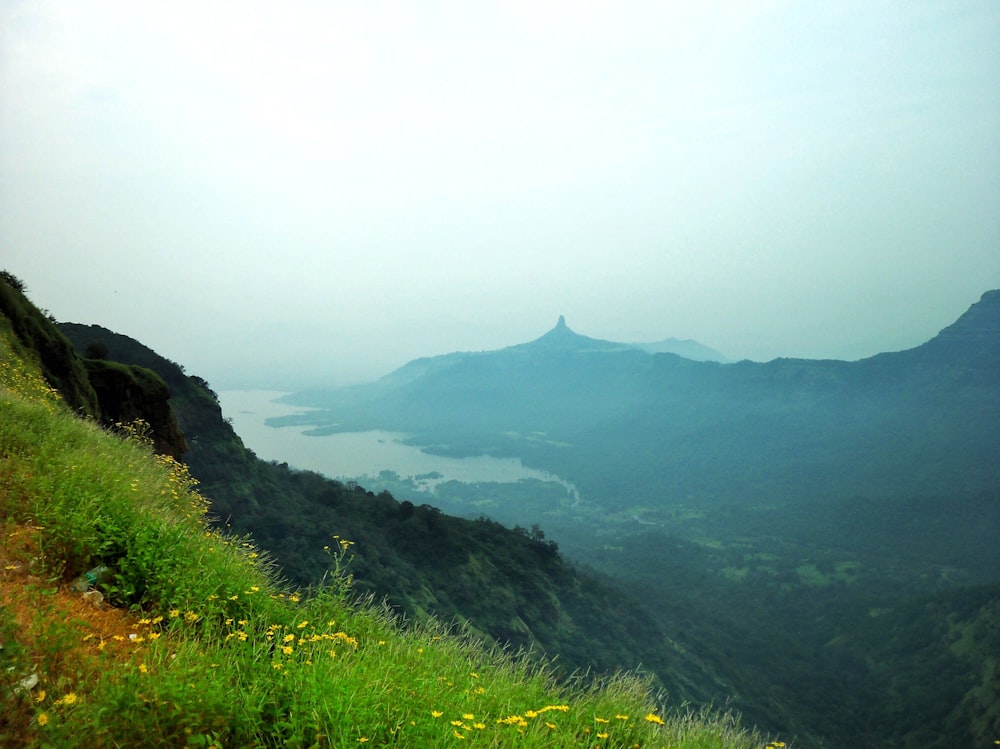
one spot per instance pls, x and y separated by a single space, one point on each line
264 191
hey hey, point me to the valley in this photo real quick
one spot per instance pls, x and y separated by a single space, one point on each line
787 519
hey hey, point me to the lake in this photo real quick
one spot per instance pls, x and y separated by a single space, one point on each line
348 455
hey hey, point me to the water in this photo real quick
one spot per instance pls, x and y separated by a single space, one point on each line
349 455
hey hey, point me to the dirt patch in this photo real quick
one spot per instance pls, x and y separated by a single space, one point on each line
38 606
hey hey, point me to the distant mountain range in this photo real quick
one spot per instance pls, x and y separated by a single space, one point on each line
595 411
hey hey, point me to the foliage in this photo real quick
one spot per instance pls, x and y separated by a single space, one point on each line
513 587
222 653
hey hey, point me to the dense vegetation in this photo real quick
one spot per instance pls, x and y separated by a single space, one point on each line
511 585
218 652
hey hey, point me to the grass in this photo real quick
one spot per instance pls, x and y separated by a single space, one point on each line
200 643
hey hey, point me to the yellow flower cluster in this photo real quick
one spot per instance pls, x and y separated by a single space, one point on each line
16 377
181 487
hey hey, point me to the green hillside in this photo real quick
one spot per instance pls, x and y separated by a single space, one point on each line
513 586
199 641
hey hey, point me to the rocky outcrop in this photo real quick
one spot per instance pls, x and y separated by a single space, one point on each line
128 393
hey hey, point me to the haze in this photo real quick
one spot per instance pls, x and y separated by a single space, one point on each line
281 194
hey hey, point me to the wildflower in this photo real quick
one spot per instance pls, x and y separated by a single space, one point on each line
602 735
288 638
154 635
43 719
551 725
143 669
174 613
67 699
287 649
605 720
479 726
436 713
458 735
621 717
654 718
468 716
190 616
303 623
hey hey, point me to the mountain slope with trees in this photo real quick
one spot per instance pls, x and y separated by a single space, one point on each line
805 513
510 585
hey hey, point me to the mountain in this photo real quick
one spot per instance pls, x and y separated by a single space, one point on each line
128 619
510 585
823 527
914 421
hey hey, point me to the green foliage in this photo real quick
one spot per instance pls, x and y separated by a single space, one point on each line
224 654
513 587
36 338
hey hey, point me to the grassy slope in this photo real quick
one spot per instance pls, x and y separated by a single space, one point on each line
507 585
223 654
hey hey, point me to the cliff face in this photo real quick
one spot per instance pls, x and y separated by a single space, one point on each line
106 391
127 393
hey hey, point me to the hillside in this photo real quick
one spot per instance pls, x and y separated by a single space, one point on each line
801 510
187 637
420 560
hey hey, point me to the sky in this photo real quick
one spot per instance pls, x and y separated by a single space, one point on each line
292 193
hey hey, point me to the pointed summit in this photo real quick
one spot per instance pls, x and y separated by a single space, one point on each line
563 338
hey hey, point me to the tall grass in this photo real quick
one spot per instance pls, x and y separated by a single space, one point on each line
220 652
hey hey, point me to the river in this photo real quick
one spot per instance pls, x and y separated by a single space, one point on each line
348 455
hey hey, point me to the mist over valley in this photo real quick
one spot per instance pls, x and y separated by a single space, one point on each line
790 514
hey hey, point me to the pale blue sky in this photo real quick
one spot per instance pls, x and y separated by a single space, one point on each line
263 189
